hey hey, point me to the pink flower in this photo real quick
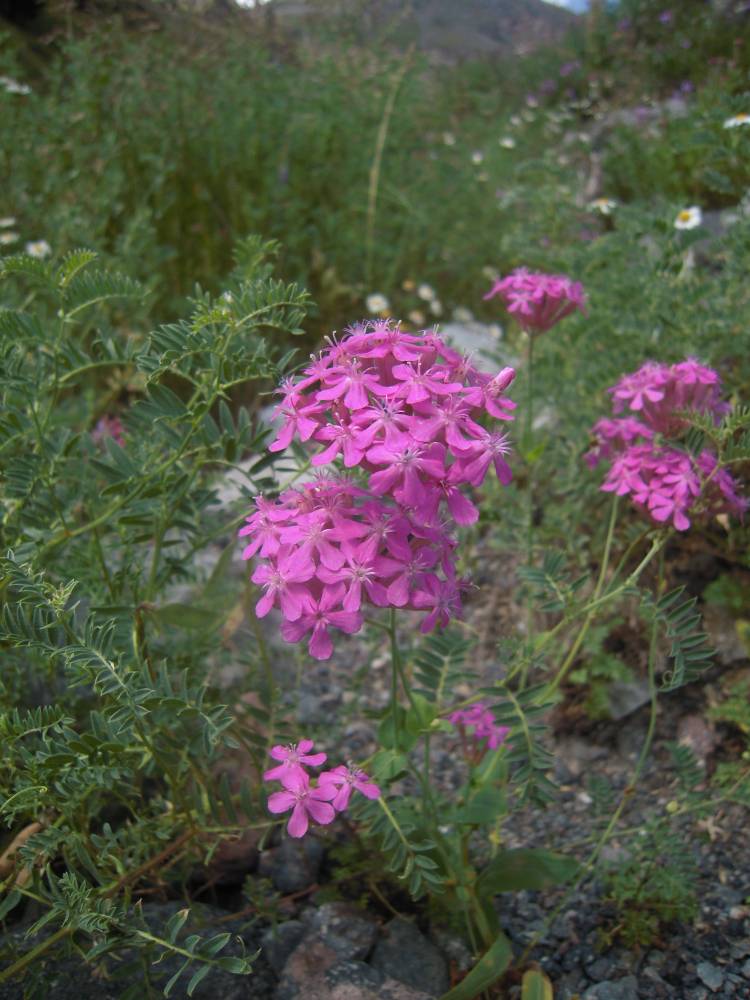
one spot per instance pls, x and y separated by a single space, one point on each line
668 484
281 581
109 427
293 757
345 780
404 409
480 720
306 804
538 301
319 615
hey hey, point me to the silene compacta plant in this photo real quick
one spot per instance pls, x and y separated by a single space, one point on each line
115 768
407 430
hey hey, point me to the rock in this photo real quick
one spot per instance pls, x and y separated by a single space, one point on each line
710 975
279 942
745 970
295 864
614 989
304 979
694 733
346 929
625 697
405 954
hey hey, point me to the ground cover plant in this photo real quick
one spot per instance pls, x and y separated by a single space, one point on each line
198 524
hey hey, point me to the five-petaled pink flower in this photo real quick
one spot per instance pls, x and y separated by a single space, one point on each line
293 757
346 780
305 802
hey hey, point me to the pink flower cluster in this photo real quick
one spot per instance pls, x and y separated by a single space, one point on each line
320 802
480 720
663 481
538 301
402 408
106 427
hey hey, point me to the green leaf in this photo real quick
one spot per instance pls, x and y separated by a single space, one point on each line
420 714
525 869
387 736
484 807
490 967
10 901
535 986
197 979
176 924
186 616
388 764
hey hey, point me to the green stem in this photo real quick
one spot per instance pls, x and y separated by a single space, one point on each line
528 437
589 865
583 632
31 956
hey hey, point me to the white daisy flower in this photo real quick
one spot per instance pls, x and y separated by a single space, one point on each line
463 315
689 218
449 139
743 118
477 157
38 249
507 142
436 307
515 120
7 238
13 86
416 317
426 292
377 303
7 222
604 206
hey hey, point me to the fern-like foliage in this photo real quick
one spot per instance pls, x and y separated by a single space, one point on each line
690 651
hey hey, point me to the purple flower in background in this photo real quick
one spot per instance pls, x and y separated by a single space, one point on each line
666 17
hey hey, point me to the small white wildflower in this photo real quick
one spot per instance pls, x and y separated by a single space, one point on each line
515 120
743 118
477 157
7 238
416 317
227 296
688 218
7 222
449 139
604 206
463 315
13 86
38 249
376 303
426 292
507 142
436 307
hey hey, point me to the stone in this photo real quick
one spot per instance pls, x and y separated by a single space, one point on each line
614 989
295 864
745 970
279 942
341 980
406 955
710 975
346 929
